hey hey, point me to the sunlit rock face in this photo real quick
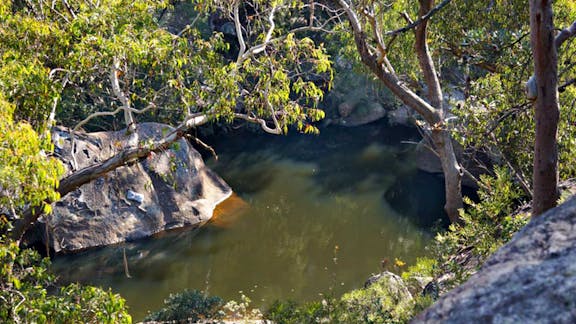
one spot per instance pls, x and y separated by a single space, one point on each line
532 279
167 190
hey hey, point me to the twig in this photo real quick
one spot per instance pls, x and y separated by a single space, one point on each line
517 173
510 112
419 20
204 146
563 87
70 11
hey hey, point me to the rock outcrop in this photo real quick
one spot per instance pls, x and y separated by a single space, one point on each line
532 279
165 191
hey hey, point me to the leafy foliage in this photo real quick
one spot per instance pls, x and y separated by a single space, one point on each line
382 302
24 283
69 53
496 117
379 303
27 175
189 306
488 225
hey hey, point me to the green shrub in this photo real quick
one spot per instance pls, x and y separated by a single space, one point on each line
24 284
488 225
290 312
189 306
385 301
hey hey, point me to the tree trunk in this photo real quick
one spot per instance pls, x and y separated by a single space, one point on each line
545 177
452 174
440 135
432 111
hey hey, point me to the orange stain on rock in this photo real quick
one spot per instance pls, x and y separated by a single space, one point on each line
228 211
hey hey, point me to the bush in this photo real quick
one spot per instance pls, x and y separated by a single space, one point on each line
290 312
488 225
189 306
24 283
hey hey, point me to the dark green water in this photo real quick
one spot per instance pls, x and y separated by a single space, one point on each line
316 222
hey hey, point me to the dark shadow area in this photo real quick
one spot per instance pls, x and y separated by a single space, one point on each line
419 197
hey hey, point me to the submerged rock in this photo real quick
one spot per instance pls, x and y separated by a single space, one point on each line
532 279
165 191
360 113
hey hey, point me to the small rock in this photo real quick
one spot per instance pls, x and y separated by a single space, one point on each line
134 196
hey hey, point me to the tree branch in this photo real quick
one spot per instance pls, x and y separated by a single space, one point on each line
420 20
87 174
565 34
389 79
112 113
568 83
128 118
260 121
243 54
239 35
127 156
425 59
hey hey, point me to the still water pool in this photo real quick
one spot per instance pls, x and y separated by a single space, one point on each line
309 218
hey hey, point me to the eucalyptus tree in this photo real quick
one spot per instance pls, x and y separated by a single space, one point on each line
368 22
496 117
543 88
81 60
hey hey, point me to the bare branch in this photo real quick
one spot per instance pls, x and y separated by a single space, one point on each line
69 8
262 46
425 59
389 78
188 27
238 27
128 118
565 34
260 121
566 84
381 47
419 20
204 146
112 113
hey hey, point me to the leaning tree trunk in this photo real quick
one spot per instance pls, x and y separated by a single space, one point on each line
452 173
545 177
432 111
440 134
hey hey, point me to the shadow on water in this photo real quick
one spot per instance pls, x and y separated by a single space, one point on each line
311 218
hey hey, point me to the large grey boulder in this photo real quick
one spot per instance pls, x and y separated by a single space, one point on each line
168 190
532 279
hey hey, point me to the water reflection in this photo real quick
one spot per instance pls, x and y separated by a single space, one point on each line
314 221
